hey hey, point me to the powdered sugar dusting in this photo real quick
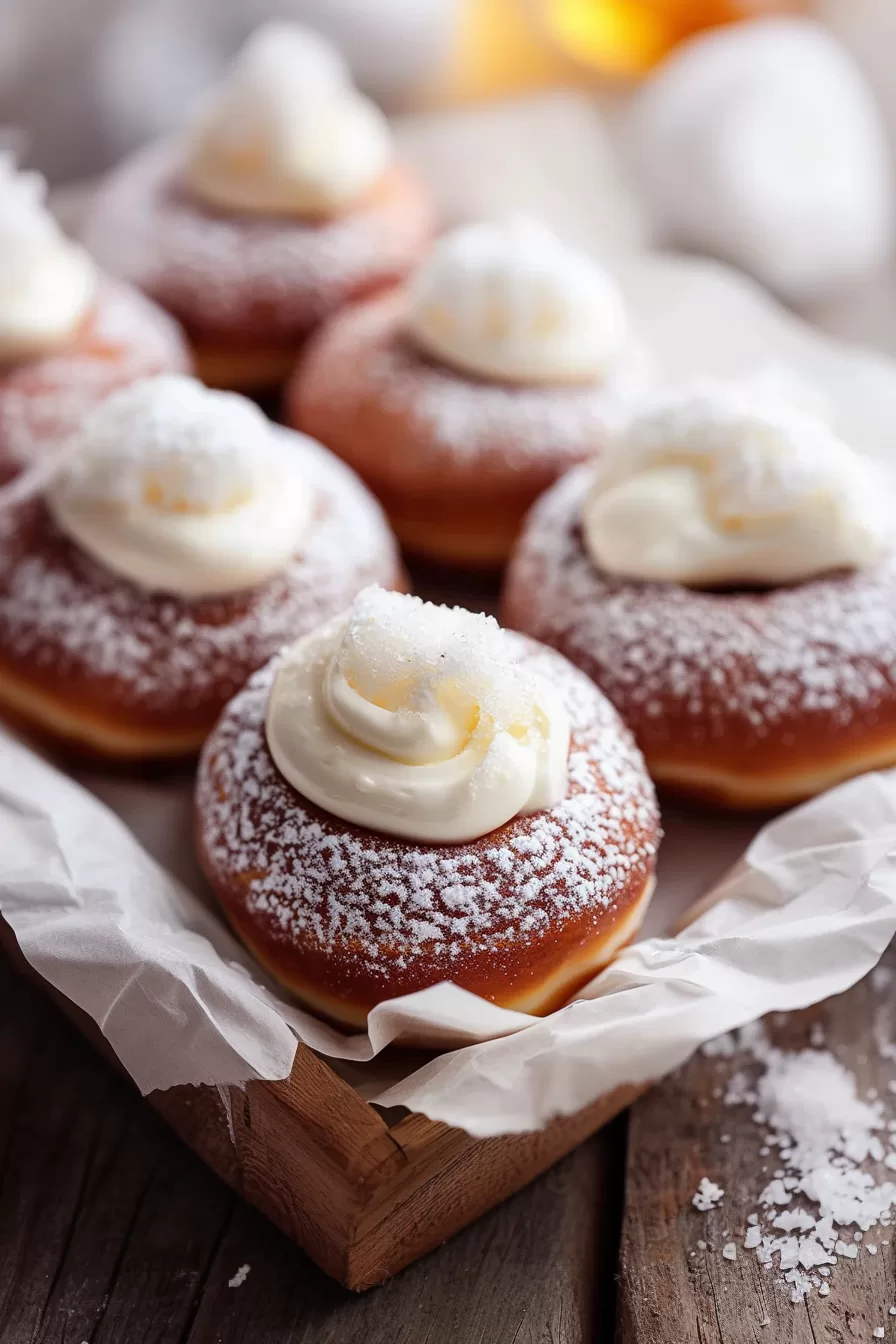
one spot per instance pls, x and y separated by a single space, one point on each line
706 665
60 609
239 275
364 358
379 901
44 400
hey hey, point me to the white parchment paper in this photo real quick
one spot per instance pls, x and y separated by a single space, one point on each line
108 906
807 912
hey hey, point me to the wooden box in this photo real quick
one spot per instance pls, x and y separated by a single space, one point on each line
362 1196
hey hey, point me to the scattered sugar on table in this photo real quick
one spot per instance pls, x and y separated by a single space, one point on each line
821 1197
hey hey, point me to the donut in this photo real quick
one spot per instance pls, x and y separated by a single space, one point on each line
249 288
106 668
750 699
346 917
456 457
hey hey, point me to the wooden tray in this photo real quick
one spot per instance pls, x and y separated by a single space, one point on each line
362 1196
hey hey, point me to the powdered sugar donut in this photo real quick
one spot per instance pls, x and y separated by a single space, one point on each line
347 917
751 698
463 396
248 290
139 592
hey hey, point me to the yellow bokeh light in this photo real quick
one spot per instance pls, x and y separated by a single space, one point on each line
507 46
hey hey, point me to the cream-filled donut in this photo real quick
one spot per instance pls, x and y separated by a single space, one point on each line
410 795
67 336
504 360
178 543
728 578
279 203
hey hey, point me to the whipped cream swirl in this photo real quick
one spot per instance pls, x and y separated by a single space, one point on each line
182 490
415 720
47 282
714 486
287 133
507 300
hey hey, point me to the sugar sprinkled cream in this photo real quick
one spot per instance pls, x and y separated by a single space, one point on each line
507 300
287 133
47 282
711 486
180 489
416 720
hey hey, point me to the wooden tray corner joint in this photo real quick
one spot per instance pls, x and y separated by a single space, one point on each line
362 1197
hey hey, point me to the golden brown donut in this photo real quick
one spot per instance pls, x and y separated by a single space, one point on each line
249 289
105 669
751 699
454 460
347 917
124 337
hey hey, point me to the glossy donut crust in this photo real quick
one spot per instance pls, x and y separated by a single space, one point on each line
106 670
346 917
749 700
124 337
248 289
455 461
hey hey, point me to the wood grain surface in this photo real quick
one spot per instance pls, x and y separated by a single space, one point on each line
669 1296
112 1232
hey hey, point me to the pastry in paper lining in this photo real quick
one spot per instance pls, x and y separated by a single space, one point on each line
520 911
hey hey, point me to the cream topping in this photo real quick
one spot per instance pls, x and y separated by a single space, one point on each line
416 720
47 282
182 490
507 300
287 133
714 486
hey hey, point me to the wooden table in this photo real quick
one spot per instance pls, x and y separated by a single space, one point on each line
111 1232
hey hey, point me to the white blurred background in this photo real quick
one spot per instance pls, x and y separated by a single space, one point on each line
782 165
90 78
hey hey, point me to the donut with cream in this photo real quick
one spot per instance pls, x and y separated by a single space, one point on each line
181 540
68 335
410 795
727 577
463 395
279 204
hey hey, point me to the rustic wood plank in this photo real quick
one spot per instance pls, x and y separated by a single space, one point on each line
111 1230
667 1295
